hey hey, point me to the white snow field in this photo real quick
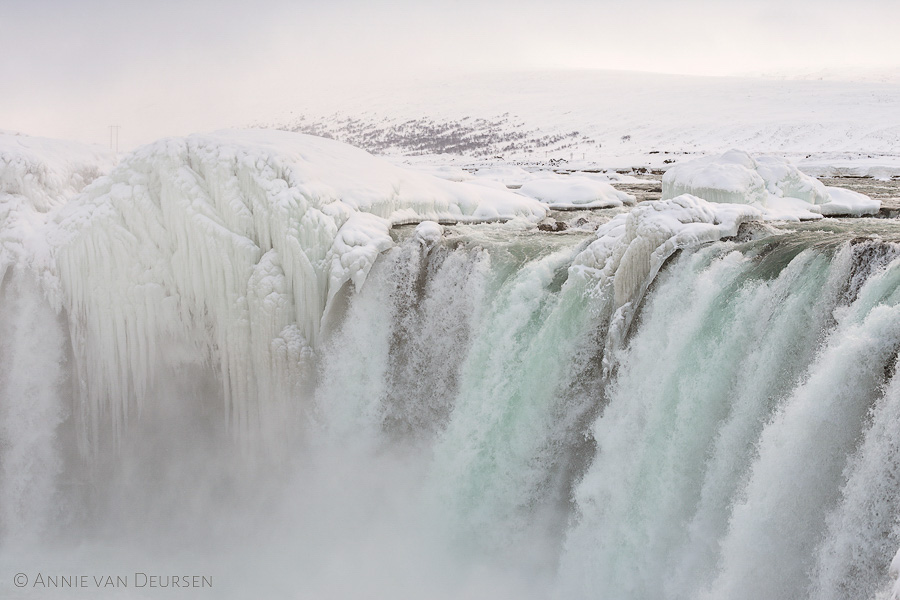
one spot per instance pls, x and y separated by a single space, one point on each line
768 182
610 119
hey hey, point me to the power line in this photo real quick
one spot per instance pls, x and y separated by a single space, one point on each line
114 128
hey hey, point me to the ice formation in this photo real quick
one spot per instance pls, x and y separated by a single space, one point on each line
633 246
575 191
428 232
230 246
768 182
895 573
36 176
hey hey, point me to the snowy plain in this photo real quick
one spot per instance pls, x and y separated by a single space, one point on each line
611 120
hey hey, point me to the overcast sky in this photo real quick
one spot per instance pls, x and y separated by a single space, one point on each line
69 68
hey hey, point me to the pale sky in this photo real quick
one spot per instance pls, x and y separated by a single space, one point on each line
71 68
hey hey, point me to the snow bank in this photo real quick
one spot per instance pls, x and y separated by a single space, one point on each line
767 182
574 191
515 176
855 165
37 175
229 247
448 172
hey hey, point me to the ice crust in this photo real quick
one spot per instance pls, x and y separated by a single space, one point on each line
768 182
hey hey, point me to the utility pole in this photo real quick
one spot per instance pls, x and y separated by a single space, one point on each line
114 129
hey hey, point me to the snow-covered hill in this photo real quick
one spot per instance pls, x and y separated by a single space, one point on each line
610 119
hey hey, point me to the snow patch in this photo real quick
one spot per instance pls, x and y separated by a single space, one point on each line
508 175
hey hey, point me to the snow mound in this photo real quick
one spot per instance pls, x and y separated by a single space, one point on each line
232 245
768 182
37 175
847 202
574 191
428 233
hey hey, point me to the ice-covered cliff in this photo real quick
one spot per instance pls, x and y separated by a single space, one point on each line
225 247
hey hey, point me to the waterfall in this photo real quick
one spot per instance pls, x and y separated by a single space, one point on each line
32 368
743 431
722 452
491 413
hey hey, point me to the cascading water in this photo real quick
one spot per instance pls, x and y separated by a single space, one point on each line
745 428
724 439
31 372
719 464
